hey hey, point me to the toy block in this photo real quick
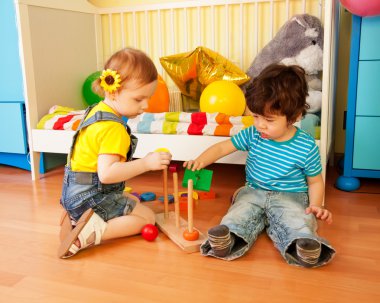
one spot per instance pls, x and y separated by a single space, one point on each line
162 149
147 196
183 199
174 168
128 189
183 204
201 178
170 198
206 195
184 194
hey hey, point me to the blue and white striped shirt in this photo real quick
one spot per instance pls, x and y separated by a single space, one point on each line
279 166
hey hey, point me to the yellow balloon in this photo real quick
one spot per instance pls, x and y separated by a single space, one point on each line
223 97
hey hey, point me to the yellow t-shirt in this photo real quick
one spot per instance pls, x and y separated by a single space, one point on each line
103 137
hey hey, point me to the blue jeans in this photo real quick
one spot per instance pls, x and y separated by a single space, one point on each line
283 216
82 191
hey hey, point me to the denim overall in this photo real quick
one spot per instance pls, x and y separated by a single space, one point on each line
83 190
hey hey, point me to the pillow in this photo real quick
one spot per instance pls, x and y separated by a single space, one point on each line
193 71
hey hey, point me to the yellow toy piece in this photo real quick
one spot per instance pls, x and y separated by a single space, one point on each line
128 189
195 194
223 97
162 149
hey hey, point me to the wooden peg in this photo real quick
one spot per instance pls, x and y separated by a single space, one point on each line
165 177
166 200
176 198
190 217
190 234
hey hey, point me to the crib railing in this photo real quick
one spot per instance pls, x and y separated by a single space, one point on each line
175 100
236 29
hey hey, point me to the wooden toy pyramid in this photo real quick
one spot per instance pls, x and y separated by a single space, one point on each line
171 224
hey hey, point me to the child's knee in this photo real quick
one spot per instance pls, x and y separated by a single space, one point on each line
144 213
150 217
147 214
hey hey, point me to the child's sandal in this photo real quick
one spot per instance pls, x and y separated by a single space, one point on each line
66 226
88 224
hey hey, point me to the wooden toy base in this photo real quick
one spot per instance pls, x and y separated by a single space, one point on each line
167 226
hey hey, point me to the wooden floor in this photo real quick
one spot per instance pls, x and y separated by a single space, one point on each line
134 270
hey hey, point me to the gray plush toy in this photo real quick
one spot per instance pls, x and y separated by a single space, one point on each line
298 42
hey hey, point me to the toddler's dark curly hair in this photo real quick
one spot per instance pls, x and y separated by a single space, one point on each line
279 90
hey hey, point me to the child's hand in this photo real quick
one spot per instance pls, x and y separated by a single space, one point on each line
157 160
320 213
193 165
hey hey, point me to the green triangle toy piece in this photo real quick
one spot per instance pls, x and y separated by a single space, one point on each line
201 178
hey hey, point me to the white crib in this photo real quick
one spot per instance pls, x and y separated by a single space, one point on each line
63 41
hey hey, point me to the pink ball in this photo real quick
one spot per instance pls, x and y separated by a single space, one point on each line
363 8
149 232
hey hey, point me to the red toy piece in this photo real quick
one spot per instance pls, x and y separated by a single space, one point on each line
183 205
191 236
206 195
174 168
183 201
149 232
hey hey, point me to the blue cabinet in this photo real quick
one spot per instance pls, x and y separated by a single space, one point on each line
14 149
362 158
12 126
13 137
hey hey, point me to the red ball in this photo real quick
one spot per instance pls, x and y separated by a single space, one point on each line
149 232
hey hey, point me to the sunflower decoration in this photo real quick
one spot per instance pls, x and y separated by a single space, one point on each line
110 80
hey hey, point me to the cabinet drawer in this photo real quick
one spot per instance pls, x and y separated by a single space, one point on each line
12 128
366 143
370 33
368 91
